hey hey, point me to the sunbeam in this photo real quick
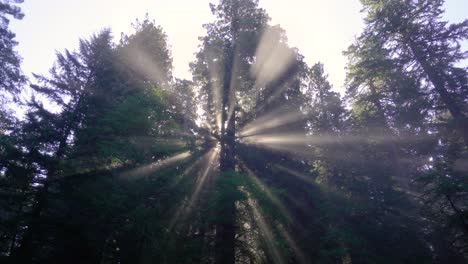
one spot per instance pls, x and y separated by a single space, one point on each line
289 240
266 190
142 63
297 174
216 87
302 139
265 231
152 167
233 83
277 139
203 178
189 169
295 144
184 209
301 258
273 57
268 121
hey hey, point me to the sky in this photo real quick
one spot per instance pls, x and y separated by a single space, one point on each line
320 29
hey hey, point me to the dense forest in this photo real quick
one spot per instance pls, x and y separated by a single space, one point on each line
256 159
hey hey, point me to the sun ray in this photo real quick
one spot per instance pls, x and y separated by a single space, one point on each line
137 58
155 166
268 121
265 230
203 178
301 258
297 174
266 190
189 169
289 240
217 95
299 140
185 208
273 57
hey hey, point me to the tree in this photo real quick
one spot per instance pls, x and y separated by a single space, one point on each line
11 77
68 87
232 71
326 110
426 46
111 117
146 54
403 84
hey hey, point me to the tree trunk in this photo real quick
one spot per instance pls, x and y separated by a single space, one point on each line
439 82
226 227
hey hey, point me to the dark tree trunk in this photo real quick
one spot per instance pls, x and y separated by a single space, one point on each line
226 227
439 81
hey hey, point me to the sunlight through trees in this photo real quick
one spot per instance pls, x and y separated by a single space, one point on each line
254 160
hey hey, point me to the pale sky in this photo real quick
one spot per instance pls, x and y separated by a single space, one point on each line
321 29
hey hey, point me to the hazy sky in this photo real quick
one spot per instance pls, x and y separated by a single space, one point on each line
321 29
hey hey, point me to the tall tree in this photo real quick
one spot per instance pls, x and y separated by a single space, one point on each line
403 77
236 75
71 78
222 68
426 46
11 77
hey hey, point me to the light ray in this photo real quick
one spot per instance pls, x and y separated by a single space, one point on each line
203 178
301 258
185 208
152 167
265 231
289 240
216 86
273 61
273 57
297 174
142 63
233 84
296 144
284 139
267 191
297 139
189 169
270 120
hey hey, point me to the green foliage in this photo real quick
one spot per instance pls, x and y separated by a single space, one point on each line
11 76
